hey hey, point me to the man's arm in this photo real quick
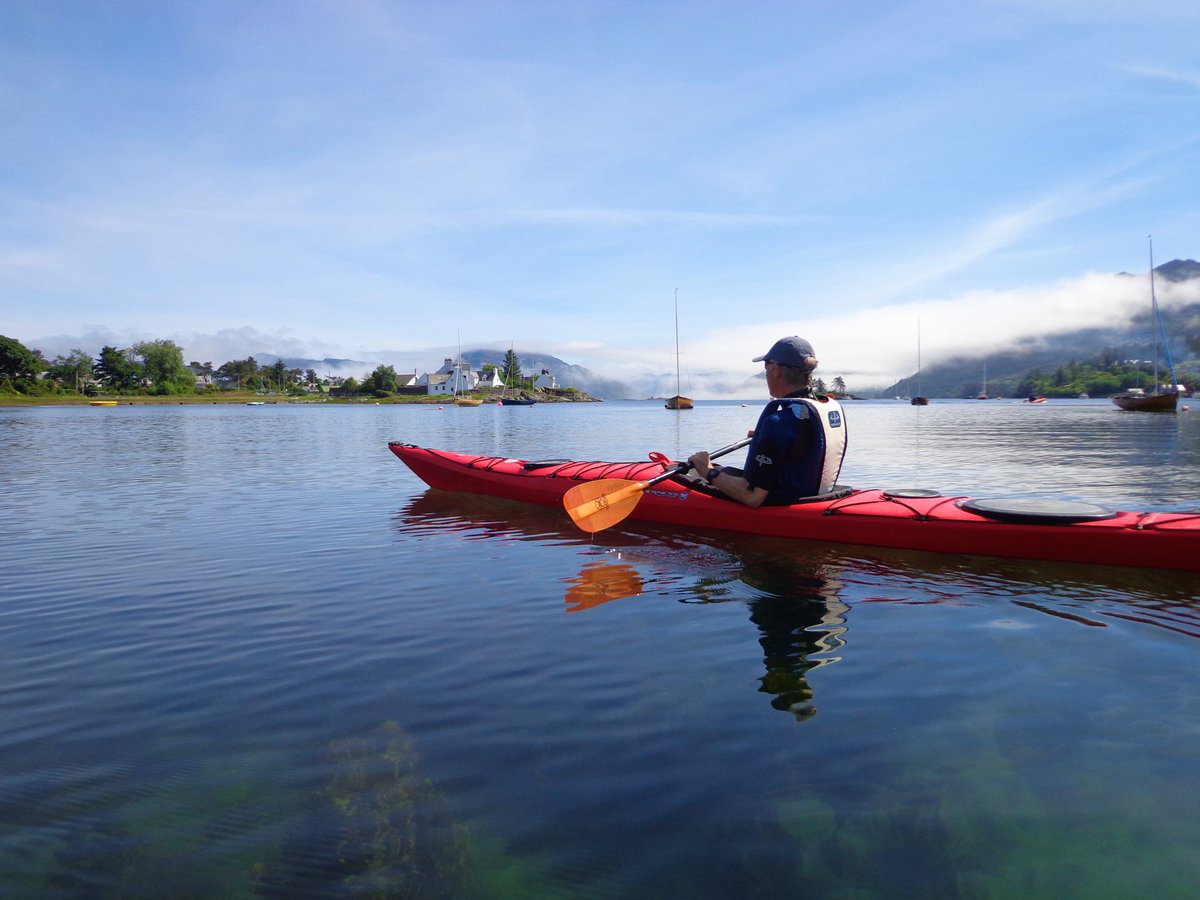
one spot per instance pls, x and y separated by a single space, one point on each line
738 488
732 486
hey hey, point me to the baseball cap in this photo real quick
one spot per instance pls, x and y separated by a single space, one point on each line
789 351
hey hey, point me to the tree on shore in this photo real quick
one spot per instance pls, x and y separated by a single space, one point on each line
510 369
75 370
118 370
18 362
277 374
242 371
163 362
381 381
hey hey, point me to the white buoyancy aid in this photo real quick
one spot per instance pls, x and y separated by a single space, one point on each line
824 462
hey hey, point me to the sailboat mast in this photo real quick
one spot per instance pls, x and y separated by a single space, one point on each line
919 358
1154 316
678 392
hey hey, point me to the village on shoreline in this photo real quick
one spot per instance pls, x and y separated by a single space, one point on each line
153 372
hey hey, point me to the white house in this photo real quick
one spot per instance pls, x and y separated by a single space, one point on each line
451 378
202 374
491 379
546 381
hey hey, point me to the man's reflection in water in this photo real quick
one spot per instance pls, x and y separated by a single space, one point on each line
801 623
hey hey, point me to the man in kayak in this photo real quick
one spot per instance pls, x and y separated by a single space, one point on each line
797 446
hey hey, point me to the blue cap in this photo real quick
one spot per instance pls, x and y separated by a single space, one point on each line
789 351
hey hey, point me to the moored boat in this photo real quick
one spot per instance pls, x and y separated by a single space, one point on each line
512 399
1142 402
1158 399
919 399
912 519
678 401
461 377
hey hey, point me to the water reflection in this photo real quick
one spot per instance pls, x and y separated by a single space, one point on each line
794 604
796 594
643 557
476 518
599 582
800 617
797 635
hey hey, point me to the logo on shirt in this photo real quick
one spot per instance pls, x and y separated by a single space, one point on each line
764 460
835 419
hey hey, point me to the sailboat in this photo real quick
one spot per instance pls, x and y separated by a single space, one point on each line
678 401
505 399
1157 400
983 390
918 398
463 400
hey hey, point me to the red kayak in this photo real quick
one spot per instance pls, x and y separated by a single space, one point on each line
911 519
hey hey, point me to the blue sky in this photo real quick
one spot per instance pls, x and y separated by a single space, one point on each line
380 180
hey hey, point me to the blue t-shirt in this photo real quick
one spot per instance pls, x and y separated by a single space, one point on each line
784 456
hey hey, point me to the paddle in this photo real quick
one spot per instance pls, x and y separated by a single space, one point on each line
596 505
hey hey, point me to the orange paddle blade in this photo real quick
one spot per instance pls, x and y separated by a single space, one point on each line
596 505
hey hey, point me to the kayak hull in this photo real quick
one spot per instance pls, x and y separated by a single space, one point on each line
878 518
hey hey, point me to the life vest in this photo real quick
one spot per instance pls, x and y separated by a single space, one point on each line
822 464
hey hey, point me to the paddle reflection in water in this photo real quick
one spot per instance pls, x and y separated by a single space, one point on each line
599 582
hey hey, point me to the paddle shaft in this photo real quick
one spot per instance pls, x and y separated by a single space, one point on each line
683 466
596 505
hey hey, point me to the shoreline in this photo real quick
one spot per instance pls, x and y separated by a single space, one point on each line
244 397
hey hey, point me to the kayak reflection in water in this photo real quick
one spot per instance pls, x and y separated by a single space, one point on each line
798 443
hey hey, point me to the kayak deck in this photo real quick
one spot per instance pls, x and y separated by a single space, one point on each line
902 519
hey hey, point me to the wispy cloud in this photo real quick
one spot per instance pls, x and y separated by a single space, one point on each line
1189 77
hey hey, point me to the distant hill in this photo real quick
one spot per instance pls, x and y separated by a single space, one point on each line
565 374
963 377
1178 270
321 366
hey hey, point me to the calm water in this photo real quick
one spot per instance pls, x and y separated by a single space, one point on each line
244 652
